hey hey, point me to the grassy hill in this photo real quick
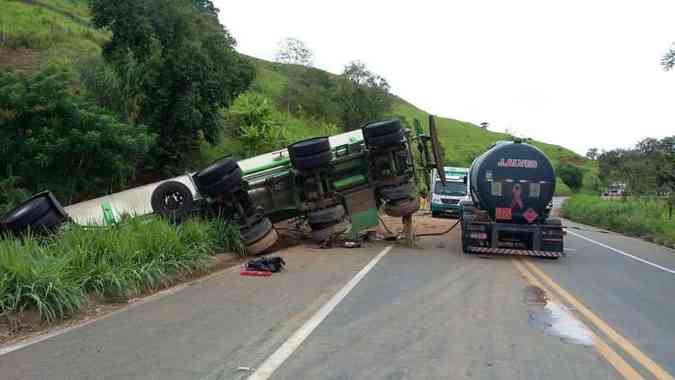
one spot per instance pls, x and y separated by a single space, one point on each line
38 32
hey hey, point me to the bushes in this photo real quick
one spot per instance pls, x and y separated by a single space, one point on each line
641 217
112 263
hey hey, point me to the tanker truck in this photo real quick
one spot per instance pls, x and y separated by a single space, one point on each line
511 186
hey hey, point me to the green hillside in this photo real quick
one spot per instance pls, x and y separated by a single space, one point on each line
36 33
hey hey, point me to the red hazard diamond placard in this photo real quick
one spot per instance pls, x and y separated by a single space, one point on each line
530 215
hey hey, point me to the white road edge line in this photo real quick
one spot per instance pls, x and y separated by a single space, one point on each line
623 253
282 353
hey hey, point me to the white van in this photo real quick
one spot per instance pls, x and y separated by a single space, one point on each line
445 199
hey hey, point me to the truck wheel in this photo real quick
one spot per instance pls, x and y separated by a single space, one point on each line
263 244
256 232
40 213
381 128
215 172
550 246
309 147
394 193
227 184
402 208
172 200
386 140
327 215
312 162
321 235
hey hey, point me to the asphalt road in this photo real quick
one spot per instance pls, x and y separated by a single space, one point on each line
424 313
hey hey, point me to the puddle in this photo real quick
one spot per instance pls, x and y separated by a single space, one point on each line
555 319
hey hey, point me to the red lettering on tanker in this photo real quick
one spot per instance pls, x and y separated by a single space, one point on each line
517 163
503 213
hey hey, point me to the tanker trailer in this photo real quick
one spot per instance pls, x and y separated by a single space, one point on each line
511 186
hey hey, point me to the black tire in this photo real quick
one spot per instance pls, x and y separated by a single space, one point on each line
402 208
27 212
227 184
386 140
312 162
172 200
309 147
263 244
327 215
49 222
215 172
394 193
381 128
256 231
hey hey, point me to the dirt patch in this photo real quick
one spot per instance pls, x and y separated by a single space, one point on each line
19 59
423 223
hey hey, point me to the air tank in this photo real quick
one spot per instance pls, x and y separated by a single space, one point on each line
513 181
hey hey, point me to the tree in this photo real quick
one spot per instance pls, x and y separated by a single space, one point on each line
255 122
362 96
52 138
190 67
484 125
571 175
293 51
310 92
668 60
592 154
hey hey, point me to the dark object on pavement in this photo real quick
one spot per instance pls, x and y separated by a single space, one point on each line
266 264
41 214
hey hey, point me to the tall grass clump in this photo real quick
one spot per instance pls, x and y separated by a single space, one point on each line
55 275
645 217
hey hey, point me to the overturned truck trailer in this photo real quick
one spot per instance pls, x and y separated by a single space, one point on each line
336 183
512 185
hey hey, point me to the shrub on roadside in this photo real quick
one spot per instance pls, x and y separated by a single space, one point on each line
113 263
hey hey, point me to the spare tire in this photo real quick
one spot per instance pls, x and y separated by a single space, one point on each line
309 147
381 128
227 184
402 208
312 162
172 200
327 215
215 172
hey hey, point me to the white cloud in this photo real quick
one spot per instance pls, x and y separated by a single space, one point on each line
577 73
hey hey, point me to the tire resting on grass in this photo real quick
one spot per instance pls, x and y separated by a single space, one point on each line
263 244
402 208
27 213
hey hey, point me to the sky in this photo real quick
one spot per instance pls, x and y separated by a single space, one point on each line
576 73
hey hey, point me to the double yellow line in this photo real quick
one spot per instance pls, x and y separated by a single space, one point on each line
533 274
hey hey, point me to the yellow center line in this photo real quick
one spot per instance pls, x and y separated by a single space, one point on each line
603 348
617 338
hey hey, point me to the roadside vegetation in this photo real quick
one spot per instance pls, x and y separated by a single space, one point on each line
643 217
58 275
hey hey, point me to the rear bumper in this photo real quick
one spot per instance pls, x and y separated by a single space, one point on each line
515 252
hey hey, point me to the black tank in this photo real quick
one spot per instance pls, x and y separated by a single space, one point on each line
513 182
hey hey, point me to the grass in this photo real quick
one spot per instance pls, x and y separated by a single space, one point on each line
55 275
644 217
58 29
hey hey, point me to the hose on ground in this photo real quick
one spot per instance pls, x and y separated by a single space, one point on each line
441 233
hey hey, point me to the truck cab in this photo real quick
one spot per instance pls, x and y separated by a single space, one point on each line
446 198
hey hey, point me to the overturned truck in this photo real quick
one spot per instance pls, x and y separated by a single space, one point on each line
337 184
512 185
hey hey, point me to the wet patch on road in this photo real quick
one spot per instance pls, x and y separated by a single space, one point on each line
555 319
